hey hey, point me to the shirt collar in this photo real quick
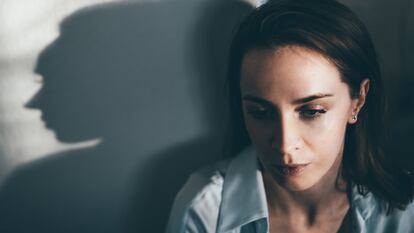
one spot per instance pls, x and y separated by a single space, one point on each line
366 205
244 197
363 207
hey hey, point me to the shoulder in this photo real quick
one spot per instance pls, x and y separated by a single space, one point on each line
371 215
197 204
399 221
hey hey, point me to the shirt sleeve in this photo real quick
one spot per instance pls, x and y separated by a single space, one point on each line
196 206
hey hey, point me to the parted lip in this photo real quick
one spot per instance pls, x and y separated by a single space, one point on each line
292 165
293 169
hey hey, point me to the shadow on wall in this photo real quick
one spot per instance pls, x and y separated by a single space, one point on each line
146 78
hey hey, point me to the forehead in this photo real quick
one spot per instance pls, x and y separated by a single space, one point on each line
288 72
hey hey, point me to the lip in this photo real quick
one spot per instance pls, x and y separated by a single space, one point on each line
291 169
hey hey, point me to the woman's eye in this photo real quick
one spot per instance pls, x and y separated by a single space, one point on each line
312 113
260 114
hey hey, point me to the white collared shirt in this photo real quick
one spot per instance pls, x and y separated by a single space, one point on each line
230 198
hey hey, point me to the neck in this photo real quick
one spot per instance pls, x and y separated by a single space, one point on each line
328 197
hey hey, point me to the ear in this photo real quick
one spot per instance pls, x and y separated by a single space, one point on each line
359 102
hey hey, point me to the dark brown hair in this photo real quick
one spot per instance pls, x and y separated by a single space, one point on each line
331 29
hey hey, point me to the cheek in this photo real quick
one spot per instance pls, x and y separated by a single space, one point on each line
325 137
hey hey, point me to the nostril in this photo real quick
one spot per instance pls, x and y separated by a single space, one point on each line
283 146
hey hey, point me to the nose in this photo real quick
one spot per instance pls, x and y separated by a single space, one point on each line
34 102
285 137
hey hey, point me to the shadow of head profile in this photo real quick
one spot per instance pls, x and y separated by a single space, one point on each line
145 78
107 75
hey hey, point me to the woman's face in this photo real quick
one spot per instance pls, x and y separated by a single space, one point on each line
296 109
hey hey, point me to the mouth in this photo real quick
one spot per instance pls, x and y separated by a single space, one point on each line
291 169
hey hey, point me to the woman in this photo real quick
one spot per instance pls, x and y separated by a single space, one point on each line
307 112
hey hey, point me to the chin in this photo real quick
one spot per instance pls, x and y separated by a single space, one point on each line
296 186
294 183
66 136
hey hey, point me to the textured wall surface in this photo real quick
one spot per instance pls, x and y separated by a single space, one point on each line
107 106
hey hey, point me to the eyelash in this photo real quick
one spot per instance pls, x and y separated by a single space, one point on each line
314 113
307 114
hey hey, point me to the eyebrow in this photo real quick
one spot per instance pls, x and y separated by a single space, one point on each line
303 100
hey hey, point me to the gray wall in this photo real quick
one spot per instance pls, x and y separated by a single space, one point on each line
130 102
